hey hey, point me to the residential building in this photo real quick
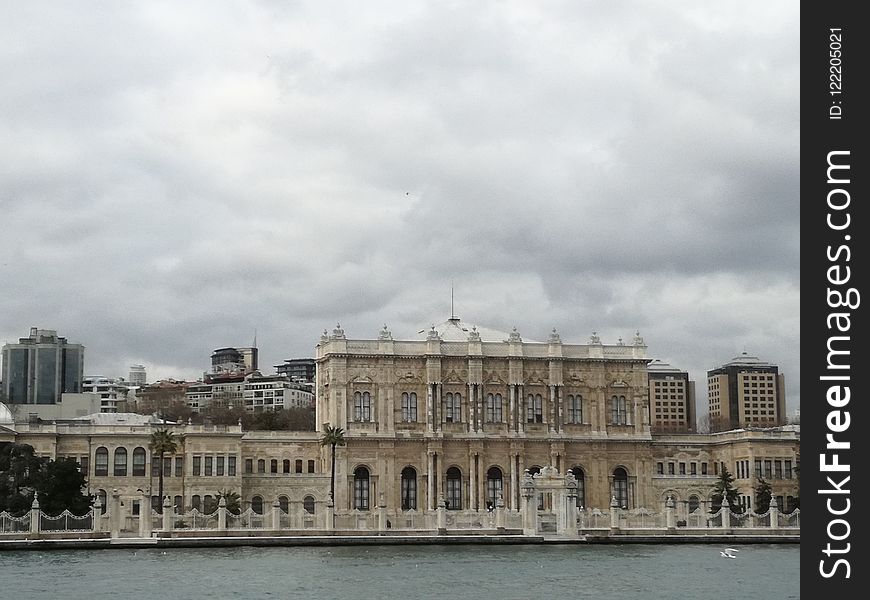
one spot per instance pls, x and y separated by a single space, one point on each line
746 392
275 392
671 399
298 369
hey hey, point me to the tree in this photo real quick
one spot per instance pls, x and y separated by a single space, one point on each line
234 502
57 484
332 436
162 442
59 487
762 496
724 488
19 473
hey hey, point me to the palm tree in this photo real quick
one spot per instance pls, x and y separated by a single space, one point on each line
332 436
162 442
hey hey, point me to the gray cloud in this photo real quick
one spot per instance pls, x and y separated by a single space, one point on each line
173 177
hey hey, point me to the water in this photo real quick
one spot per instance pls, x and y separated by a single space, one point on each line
602 572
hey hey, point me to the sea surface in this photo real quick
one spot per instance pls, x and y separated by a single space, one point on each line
602 572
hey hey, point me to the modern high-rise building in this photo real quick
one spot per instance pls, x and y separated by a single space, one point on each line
671 399
298 369
41 367
138 375
234 360
746 392
110 390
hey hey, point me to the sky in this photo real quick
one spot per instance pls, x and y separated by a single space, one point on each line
181 177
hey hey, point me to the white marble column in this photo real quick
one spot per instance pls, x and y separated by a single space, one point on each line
430 481
430 416
521 410
512 423
439 404
472 482
551 410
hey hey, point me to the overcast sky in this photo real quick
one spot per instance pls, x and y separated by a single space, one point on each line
176 176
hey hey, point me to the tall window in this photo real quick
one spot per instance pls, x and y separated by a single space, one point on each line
494 486
286 465
139 462
362 406
101 462
273 466
209 466
284 504
454 489
409 407
493 408
257 504
298 465
581 486
308 504
535 409
261 465
311 466
620 486
618 412
231 466
120 462
694 503
452 408
409 488
575 409
220 465
197 466
361 488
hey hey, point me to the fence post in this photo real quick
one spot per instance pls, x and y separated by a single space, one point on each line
382 513
441 515
774 513
276 515
167 514
499 514
670 514
330 513
145 515
98 514
115 516
34 517
614 514
222 514
726 515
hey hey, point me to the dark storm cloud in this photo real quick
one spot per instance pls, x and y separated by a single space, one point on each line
175 177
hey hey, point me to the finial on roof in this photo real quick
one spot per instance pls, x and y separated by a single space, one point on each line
638 341
594 339
338 332
619 342
433 335
473 335
385 334
554 337
515 336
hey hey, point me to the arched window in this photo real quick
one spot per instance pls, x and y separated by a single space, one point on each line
535 409
575 409
196 502
286 465
178 505
694 503
101 494
361 488
257 504
454 489
581 486
409 488
101 462
261 465
209 504
620 487
308 504
362 406
273 466
452 408
139 462
493 408
120 469
618 414
298 465
494 486
284 504
409 407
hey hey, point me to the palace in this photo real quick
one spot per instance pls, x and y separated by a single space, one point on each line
458 415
